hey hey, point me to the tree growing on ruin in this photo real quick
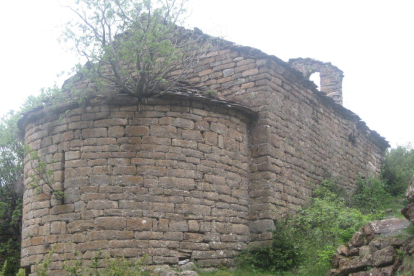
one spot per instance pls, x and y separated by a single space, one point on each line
134 46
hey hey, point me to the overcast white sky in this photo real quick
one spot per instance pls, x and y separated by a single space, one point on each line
371 41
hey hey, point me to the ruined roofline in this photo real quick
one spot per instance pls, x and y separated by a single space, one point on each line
328 101
292 60
330 76
125 100
286 71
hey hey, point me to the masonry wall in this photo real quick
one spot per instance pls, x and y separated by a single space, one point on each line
184 179
300 138
170 181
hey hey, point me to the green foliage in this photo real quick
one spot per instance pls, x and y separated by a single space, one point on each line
48 96
305 243
11 150
370 196
283 253
11 171
122 267
42 268
133 45
329 219
42 177
21 272
398 169
116 267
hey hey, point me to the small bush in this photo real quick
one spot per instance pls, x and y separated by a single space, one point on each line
398 169
283 253
370 196
307 241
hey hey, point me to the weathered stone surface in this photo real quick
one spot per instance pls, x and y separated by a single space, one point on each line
208 177
408 212
384 256
380 254
358 239
355 265
408 245
386 227
382 242
409 194
331 77
343 250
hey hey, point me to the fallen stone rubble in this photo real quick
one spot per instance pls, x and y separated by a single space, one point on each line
380 248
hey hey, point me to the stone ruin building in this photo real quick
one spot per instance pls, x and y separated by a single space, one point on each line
191 176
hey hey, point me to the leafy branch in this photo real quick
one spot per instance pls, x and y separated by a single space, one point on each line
132 47
41 178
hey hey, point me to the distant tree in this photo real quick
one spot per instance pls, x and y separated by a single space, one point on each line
136 46
398 169
11 175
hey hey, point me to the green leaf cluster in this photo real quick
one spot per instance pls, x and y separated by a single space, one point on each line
41 178
306 241
284 252
11 173
398 169
136 47
370 196
112 267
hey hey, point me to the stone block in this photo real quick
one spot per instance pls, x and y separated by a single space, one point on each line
240 229
163 244
101 204
174 236
72 155
110 122
125 180
111 223
250 72
140 224
262 226
124 170
193 135
136 130
184 143
116 131
178 226
193 209
210 138
128 244
219 128
149 235
197 255
202 126
165 260
194 246
164 131
193 226
160 225
55 228
92 245
80 226
60 209
94 133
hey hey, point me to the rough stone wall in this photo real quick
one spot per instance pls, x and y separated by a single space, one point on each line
170 181
300 138
331 77
181 179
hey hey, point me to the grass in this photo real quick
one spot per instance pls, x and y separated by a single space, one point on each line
304 271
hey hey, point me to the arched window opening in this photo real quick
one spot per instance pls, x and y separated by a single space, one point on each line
316 78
